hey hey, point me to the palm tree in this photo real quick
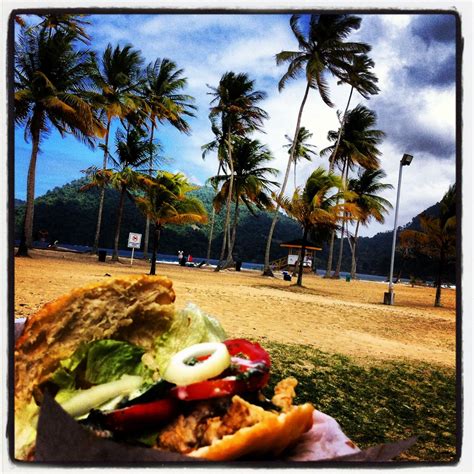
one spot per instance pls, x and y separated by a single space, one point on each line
365 189
234 102
302 149
360 78
314 206
251 184
218 144
165 103
50 81
166 202
133 151
437 238
65 22
323 50
358 145
118 78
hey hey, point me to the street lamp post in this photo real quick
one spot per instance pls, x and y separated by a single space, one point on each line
388 296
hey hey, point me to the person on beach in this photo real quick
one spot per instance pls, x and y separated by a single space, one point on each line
190 258
180 257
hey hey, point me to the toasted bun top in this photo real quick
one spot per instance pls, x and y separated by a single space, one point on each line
132 308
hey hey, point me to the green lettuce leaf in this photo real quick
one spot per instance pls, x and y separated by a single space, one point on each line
99 362
191 326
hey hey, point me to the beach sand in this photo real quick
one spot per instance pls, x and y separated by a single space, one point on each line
334 316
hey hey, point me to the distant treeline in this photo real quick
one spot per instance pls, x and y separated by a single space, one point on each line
68 215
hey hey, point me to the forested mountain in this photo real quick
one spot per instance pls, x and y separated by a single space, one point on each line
69 216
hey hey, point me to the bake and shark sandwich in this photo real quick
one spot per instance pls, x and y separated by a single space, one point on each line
120 359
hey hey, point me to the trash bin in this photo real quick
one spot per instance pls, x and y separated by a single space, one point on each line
102 255
348 278
238 265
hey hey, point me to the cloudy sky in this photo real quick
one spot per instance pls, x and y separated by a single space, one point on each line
414 60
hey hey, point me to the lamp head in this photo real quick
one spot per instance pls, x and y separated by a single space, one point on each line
406 159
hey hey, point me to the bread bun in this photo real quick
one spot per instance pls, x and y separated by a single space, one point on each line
135 309
271 436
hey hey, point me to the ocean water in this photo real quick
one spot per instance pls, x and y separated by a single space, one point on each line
166 258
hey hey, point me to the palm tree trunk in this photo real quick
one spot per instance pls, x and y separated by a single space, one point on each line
345 172
339 135
331 168
213 219
147 225
156 239
228 202
230 256
95 247
299 281
30 184
438 280
266 267
115 257
354 250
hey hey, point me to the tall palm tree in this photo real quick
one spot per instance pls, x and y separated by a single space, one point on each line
133 151
322 50
162 93
166 202
50 80
252 185
235 103
118 78
219 145
358 145
437 238
364 192
302 148
313 207
360 77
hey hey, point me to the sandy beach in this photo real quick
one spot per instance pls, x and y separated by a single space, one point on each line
334 316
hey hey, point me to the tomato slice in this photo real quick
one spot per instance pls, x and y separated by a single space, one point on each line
252 374
254 351
137 417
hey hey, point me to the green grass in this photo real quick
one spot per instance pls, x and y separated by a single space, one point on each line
378 404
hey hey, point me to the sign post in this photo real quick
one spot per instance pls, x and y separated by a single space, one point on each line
134 242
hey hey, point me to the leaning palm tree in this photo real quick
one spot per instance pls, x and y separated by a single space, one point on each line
235 103
162 94
302 148
165 201
118 78
322 50
364 193
252 186
314 206
437 237
50 82
358 145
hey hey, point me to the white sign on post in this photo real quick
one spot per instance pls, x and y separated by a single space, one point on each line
134 241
